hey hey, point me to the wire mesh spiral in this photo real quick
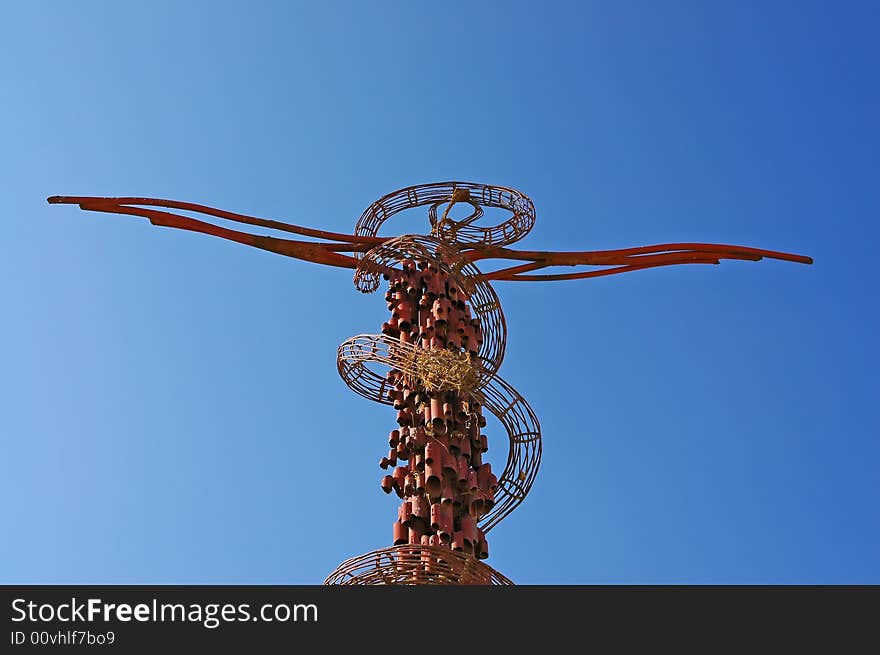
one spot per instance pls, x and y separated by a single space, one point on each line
415 565
436 362
477 195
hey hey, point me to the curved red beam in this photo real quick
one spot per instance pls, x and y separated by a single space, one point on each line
327 252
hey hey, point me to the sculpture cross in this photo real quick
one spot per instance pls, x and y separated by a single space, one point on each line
437 358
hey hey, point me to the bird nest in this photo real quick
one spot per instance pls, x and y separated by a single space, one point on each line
441 369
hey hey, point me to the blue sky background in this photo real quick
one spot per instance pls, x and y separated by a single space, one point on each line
170 410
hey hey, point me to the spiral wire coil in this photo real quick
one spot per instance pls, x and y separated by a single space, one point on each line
432 269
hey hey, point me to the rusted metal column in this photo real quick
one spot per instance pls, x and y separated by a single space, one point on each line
436 452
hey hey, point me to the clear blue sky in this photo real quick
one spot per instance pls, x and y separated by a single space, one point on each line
170 410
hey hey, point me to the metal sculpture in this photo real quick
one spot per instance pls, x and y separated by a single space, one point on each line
437 358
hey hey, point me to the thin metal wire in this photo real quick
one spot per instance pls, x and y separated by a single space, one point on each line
415 565
478 195
357 360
